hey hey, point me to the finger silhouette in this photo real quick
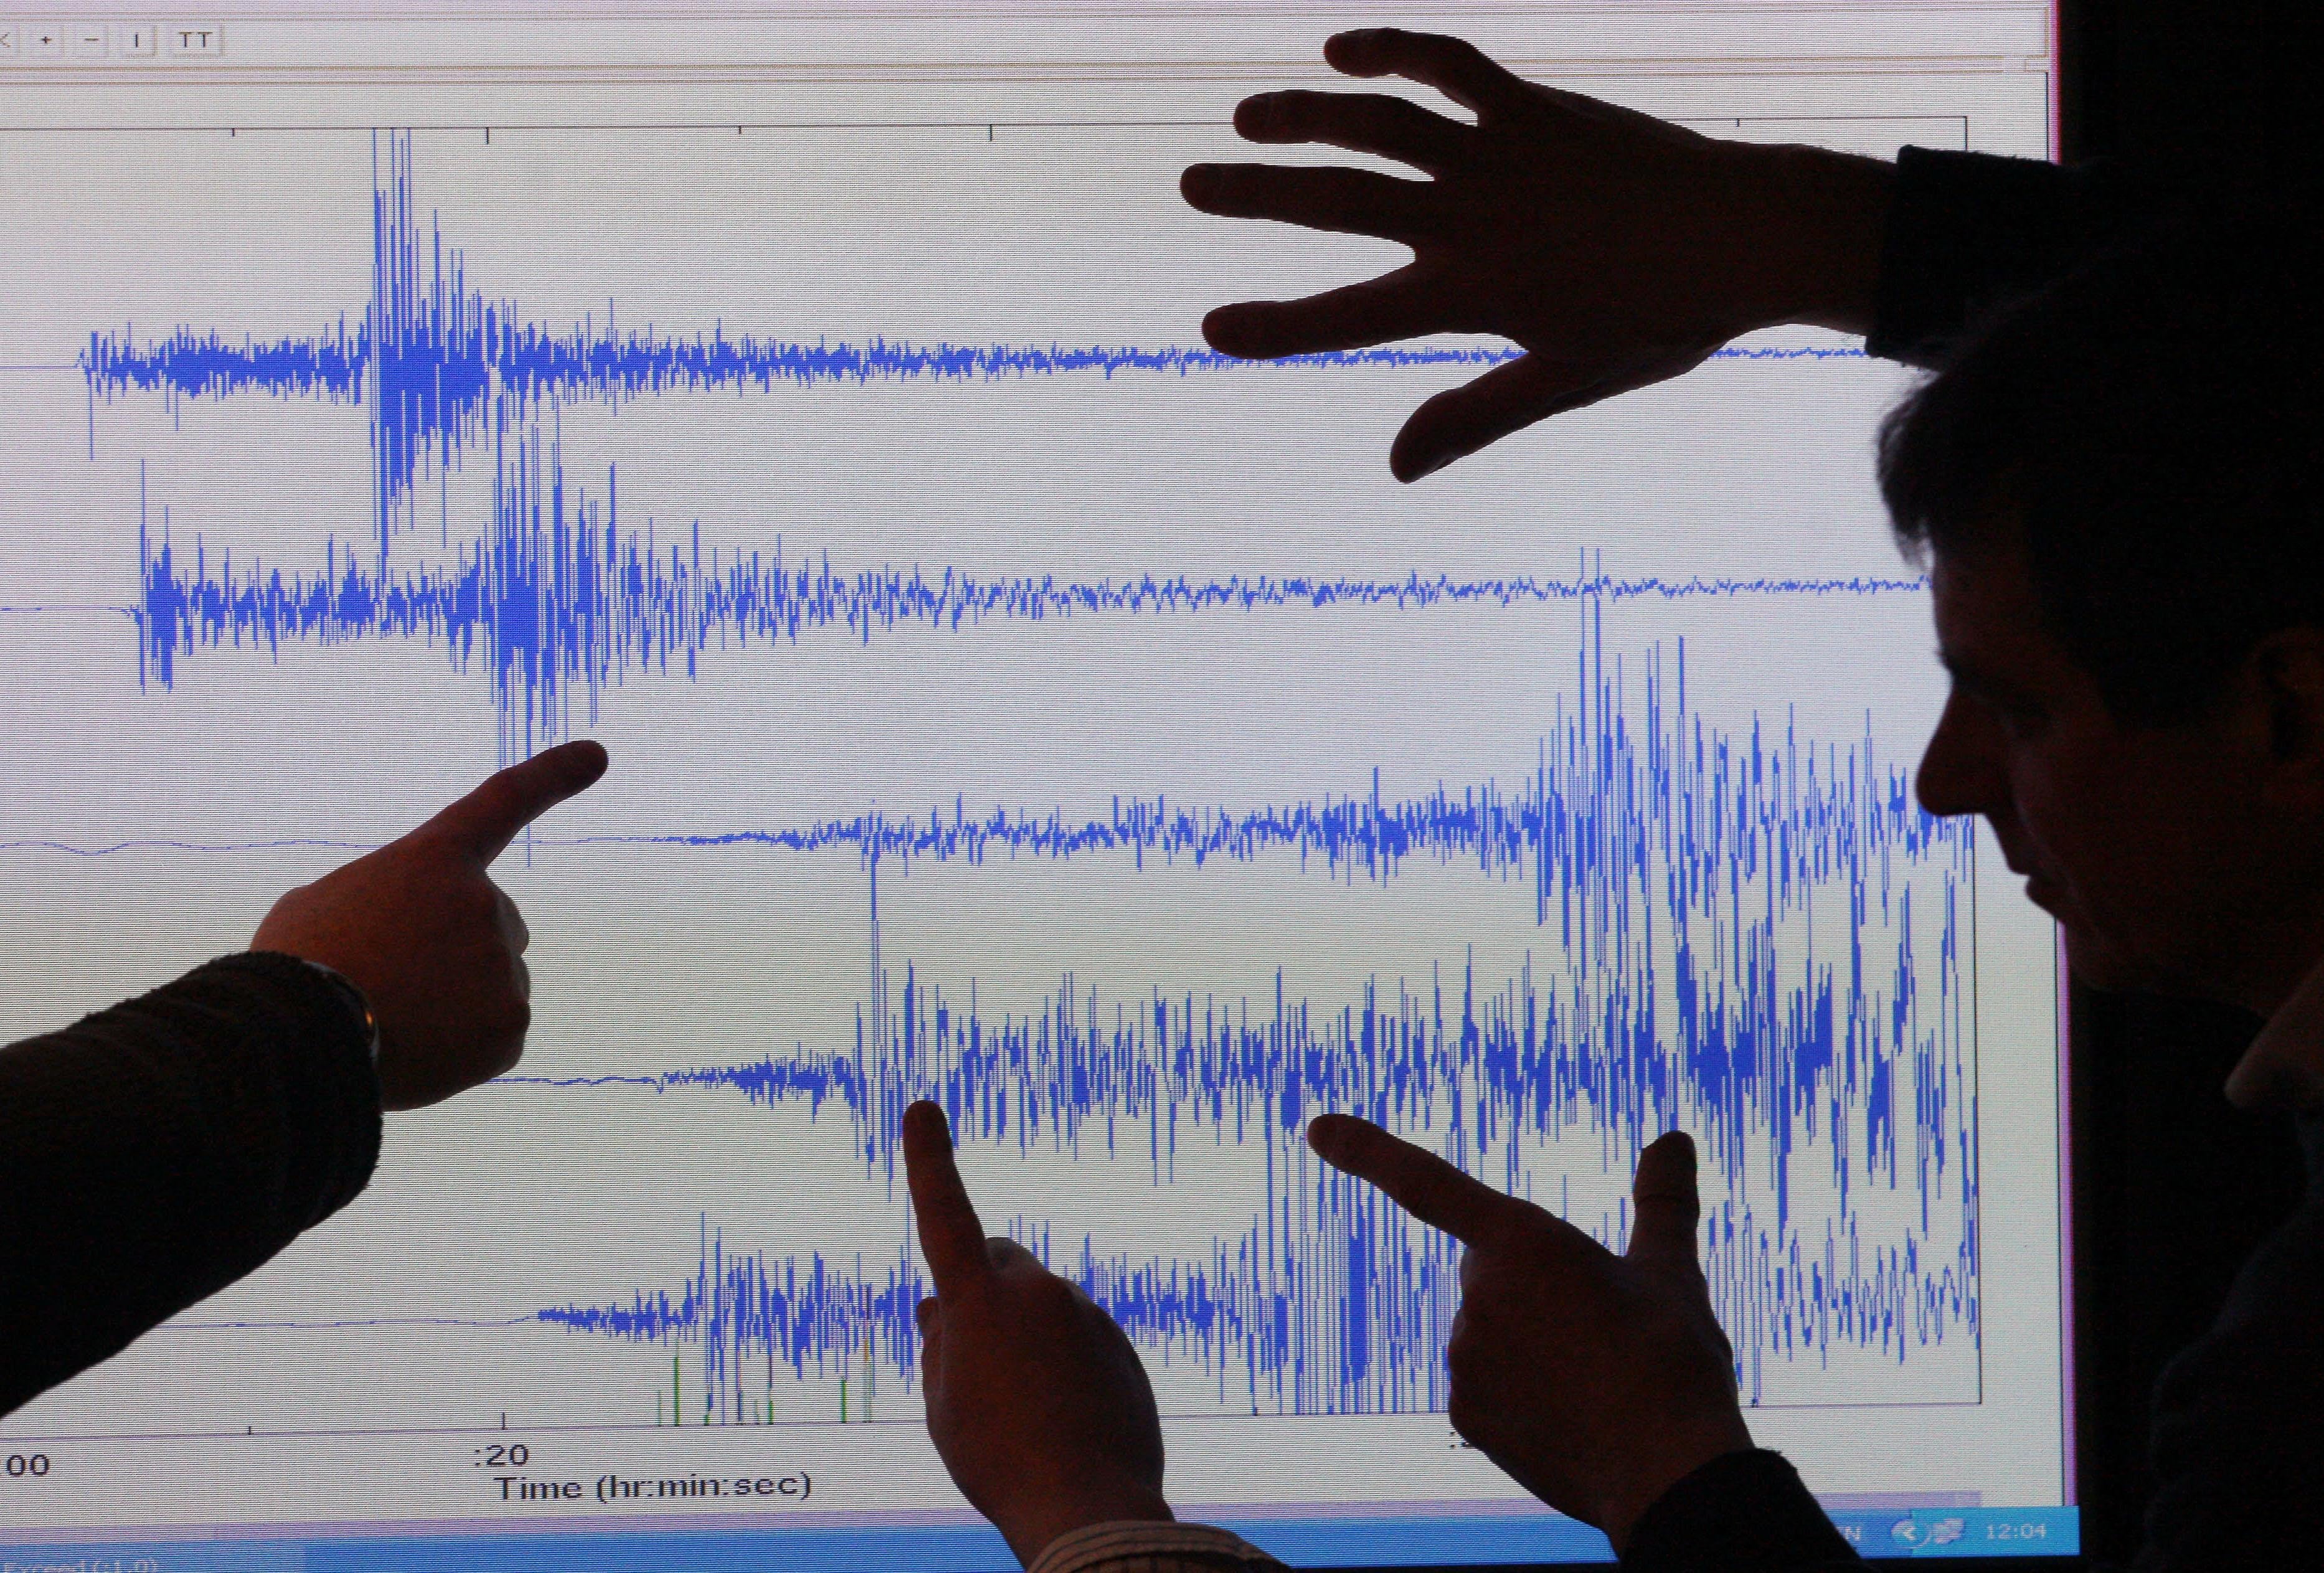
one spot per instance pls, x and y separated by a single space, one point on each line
1511 397
1363 122
1454 67
511 923
486 820
1398 305
1457 422
926 1316
1007 1255
1352 201
951 1237
1416 1180
1663 1200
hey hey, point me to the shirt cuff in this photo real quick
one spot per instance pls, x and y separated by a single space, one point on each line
1742 1512
327 1062
359 1007
1969 232
1141 1546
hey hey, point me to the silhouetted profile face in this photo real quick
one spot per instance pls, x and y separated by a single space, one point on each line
2168 853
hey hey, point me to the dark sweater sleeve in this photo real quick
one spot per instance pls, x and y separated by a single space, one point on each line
1970 232
156 1152
1746 1513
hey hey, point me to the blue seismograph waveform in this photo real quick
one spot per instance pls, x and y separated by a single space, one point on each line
564 598
1749 935
555 596
441 365
1757 939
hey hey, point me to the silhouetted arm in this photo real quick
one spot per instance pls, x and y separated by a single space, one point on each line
160 1150
154 1153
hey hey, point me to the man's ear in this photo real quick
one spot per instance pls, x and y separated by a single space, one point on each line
2288 666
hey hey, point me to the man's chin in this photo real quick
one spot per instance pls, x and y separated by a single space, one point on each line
2095 965
2093 968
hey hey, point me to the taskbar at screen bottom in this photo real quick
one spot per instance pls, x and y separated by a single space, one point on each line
1349 1541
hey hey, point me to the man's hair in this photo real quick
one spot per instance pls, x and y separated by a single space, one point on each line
2151 425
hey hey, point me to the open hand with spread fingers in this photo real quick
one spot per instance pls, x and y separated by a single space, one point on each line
1616 248
1597 1382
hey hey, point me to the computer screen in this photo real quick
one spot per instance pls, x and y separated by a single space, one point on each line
1010 700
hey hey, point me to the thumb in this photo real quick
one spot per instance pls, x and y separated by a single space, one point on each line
929 1319
1481 411
1516 394
1663 1198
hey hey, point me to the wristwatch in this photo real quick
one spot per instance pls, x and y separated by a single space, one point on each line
358 1005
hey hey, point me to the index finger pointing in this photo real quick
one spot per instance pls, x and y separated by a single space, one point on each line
486 820
1415 1179
951 1237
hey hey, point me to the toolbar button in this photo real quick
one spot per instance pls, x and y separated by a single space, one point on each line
194 39
136 38
91 41
44 41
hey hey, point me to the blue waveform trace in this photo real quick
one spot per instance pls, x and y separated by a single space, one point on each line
557 593
1509 836
1499 832
1330 1303
563 593
1758 941
440 366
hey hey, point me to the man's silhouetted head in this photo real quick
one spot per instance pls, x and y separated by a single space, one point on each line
2116 491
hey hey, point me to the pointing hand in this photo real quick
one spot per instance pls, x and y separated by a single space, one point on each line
1037 1402
437 948
1597 1382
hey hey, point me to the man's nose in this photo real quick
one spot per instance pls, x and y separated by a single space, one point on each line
1961 769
